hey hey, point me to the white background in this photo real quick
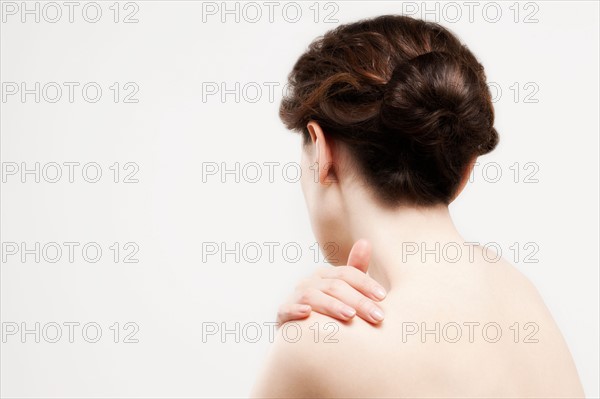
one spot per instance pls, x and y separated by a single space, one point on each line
173 53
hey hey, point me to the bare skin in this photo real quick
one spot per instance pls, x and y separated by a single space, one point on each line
342 292
391 360
395 358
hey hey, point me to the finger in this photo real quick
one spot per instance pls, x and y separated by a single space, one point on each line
327 305
360 255
357 280
295 311
365 308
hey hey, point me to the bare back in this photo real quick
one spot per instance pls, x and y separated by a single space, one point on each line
472 329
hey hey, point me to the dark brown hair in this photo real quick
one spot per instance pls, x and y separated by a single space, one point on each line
406 97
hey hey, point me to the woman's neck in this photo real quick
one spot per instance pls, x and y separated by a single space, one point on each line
403 238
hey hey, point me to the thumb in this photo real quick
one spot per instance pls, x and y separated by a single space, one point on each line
360 255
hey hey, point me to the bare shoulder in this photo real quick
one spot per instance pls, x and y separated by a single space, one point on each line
306 357
515 290
287 372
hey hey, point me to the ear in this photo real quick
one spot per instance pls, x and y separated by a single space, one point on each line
465 177
323 155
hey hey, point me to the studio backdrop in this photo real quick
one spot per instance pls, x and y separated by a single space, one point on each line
152 218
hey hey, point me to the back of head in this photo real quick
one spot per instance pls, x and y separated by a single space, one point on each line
408 100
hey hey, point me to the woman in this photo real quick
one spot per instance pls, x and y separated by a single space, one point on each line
394 112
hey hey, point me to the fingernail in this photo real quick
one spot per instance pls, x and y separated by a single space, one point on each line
304 308
347 311
379 292
377 314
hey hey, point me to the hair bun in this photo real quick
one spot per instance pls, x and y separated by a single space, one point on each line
405 96
435 99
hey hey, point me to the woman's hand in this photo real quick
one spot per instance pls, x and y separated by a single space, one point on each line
340 292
